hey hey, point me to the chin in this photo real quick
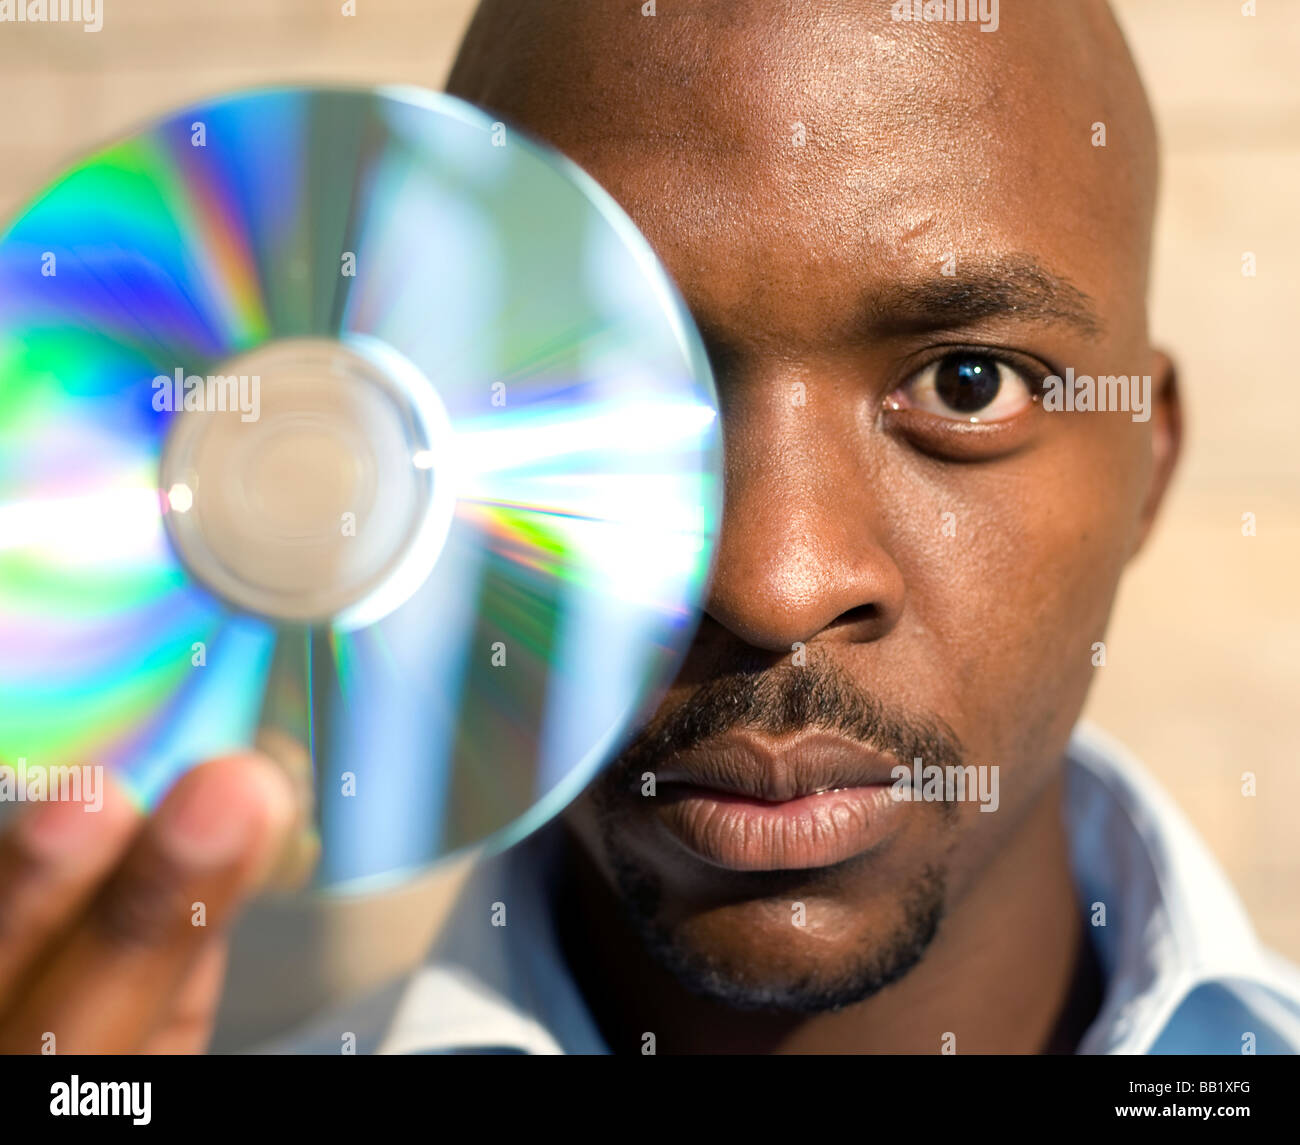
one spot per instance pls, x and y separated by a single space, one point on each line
798 956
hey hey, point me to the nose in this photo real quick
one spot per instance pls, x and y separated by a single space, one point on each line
802 554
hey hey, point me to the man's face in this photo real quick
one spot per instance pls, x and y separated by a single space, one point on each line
889 235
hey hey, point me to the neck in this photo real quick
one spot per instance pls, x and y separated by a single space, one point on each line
1011 970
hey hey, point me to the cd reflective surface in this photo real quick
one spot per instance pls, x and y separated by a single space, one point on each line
357 418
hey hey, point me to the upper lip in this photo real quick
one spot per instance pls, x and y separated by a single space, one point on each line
776 772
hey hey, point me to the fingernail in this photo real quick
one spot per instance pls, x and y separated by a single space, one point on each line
201 826
62 828
57 829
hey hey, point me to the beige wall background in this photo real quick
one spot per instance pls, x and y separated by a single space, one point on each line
1202 656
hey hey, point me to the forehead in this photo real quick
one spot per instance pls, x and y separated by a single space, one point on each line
780 155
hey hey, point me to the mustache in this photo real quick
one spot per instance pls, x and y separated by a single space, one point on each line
819 696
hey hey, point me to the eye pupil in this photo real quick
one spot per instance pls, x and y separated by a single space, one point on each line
967 382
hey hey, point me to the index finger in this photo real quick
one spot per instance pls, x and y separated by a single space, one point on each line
110 982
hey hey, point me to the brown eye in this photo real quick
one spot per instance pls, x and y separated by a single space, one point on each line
966 386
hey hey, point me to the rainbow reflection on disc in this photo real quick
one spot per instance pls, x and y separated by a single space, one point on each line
351 415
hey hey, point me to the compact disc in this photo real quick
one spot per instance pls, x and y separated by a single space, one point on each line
358 419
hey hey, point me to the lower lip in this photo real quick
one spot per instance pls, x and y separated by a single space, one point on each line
745 834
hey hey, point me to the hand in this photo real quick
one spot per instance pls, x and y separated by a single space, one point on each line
113 926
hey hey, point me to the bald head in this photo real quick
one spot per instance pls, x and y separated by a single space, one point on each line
823 93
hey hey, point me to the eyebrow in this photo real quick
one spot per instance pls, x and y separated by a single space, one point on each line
1015 286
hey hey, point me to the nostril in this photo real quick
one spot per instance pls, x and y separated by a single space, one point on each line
862 614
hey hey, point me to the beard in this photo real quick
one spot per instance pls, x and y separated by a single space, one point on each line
776 701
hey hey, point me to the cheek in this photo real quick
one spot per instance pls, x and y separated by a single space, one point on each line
1013 603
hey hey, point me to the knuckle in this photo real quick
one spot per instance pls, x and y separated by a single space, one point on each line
143 907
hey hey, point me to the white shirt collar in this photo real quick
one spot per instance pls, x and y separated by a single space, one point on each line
1184 971
495 979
